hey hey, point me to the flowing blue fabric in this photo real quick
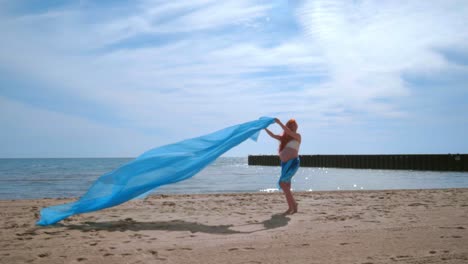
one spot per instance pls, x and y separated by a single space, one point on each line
159 166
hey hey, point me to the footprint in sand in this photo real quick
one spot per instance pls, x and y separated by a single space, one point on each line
186 248
53 232
81 259
136 235
417 204
43 255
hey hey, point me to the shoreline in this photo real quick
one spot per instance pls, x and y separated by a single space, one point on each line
67 199
345 226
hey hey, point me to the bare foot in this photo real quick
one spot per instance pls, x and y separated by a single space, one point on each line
288 212
293 211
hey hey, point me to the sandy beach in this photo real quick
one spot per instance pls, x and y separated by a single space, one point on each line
403 226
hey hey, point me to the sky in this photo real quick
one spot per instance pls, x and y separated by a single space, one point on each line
116 78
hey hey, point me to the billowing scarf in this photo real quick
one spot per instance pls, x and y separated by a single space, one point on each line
159 166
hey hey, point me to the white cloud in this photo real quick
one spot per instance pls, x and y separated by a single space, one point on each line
216 15
190 77
368 45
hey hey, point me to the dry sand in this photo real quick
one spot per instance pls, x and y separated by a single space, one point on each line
407 226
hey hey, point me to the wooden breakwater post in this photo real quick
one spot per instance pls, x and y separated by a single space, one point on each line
433 162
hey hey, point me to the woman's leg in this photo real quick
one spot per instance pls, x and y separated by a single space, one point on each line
292 205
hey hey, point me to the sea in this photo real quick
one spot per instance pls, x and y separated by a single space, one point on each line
71 177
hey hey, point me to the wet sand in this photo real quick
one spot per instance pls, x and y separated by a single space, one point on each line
403 226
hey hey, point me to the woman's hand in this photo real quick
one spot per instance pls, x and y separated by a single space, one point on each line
280 123
288 131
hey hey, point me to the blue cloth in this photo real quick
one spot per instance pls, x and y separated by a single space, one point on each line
163 165
288 169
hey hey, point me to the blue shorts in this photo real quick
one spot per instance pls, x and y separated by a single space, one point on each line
288 169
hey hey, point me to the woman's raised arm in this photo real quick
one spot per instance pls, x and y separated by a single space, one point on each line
288 131
272 135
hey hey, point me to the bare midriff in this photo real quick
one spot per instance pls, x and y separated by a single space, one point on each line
288 153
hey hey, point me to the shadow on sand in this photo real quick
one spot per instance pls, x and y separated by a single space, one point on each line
276 221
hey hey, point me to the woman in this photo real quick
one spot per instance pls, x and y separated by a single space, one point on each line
290 141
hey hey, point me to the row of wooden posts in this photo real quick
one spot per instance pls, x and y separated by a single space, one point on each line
433 162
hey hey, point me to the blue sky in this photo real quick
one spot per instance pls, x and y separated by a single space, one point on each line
115 78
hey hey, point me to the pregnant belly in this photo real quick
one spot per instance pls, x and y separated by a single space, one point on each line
287 154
